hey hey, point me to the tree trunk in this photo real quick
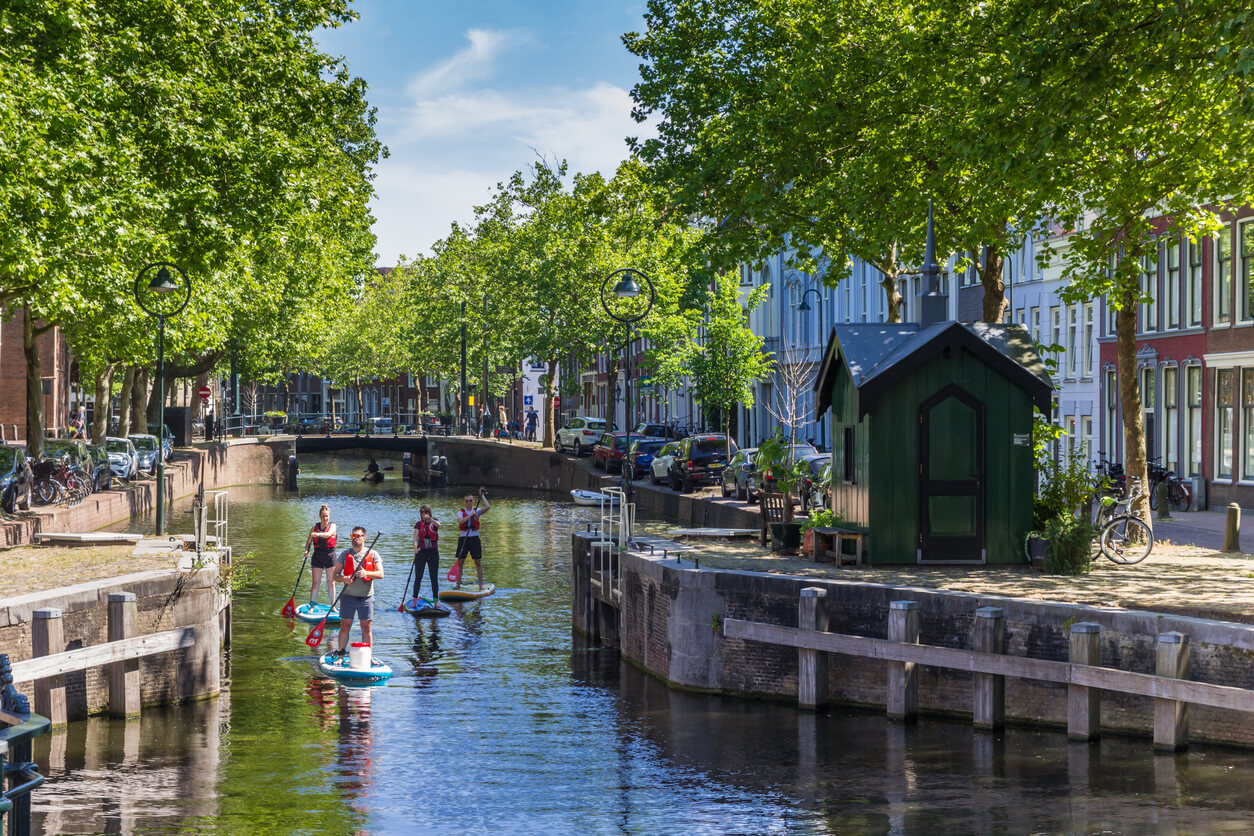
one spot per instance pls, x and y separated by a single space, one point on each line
34 386
550 414
139 401
1130 399
104 403
889 270
124 400
989 269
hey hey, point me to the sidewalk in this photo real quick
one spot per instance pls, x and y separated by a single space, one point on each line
1204 529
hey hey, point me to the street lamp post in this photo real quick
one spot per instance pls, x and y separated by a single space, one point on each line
162 297
464 406
621 305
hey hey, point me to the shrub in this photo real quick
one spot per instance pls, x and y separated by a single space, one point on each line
1069 544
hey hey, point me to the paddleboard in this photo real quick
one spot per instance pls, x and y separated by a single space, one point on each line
338 668
313 613
467 593
424 608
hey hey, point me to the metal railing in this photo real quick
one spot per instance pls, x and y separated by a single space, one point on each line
18 727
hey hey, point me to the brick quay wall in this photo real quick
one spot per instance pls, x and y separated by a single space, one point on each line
668 619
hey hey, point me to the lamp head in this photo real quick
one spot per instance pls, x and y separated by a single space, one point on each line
627 287
163 282
804 307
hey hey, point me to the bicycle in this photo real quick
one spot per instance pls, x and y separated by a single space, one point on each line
1122 536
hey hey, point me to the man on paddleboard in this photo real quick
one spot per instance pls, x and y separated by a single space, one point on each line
468 535
357 568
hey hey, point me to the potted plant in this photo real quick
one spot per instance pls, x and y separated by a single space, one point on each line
819 518
774 463
1061 535
276 418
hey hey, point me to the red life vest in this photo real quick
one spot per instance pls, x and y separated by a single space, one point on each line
427 532
327 542
467 519
368 563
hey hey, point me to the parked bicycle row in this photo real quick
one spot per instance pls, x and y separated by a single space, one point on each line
702 459
71 469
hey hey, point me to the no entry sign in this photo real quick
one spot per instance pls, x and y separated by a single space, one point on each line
205 393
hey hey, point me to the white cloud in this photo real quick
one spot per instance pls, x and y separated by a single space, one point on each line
415 205
473 63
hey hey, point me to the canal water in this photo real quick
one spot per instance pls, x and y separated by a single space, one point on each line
524 729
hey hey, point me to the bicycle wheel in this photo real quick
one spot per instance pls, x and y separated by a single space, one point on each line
1179 496
1127 540
1153 496
47 491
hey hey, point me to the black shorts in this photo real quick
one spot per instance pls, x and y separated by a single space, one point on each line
322 560
469 546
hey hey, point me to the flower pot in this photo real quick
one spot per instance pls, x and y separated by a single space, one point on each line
807 542
785 537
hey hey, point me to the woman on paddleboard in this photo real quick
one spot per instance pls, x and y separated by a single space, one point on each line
322 539
427 551
468 535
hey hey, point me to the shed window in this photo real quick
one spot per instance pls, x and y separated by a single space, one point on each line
847 445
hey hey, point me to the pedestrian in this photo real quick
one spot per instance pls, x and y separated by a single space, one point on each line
485 420
427 551
357 568
322 539
533 419
502 422
468 542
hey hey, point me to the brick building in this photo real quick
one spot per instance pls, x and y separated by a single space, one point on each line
55 374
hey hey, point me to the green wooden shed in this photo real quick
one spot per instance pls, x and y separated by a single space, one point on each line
932 438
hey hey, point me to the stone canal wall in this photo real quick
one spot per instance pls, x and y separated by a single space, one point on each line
237 462
667 614
165 600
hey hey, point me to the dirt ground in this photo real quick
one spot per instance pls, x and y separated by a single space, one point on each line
1183 580
35 568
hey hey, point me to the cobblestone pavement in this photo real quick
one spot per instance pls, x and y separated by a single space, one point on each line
1178 579
35 568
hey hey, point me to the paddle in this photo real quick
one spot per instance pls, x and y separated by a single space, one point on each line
315 635
289 609
401 606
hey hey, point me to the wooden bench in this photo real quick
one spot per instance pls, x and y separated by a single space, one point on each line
772 505
829 543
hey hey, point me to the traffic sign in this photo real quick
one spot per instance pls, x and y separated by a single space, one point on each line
527 400
205 393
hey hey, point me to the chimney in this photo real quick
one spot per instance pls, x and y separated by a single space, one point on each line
933 305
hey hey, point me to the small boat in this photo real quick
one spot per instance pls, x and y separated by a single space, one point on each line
313 613
425 608
340 669
376 477
592 497
468 593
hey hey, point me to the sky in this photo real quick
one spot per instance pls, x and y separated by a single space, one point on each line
470 91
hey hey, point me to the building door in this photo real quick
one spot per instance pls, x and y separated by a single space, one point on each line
951 478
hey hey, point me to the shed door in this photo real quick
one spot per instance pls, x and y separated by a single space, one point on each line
951 477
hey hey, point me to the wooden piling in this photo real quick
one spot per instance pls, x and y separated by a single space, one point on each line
989 690
1171 717
1232 528
903 679
1084 704
47 638
124 675
812 664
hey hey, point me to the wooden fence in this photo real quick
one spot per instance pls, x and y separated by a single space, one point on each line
1082 674
121 653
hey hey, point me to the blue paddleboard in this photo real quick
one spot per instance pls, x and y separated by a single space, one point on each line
313 613
424 608
338 668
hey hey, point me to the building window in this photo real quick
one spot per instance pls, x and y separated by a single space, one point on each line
1055 327
1149 287
1022 315
1088 339
1147 408
1086 435
1247 424
1112 416
1035 321
1193 289
1073 347
1193 401
1111 313
1171 293
1171 420
1223 277
1072 440
1247 274
1223 422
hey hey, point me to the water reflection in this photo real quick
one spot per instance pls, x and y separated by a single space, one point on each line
499 720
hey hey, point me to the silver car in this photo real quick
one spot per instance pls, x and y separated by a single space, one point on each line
123 457
739 473
146 448
659 468
579 434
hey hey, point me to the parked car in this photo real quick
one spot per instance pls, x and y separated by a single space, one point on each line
611 449
15 479
765 481
654 430
641 455
380 426
700 460
167 443
146 450
98 468
123 457
579 434
659 468
738 473
74 448
815 490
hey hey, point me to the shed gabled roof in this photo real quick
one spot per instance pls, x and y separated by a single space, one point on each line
877 356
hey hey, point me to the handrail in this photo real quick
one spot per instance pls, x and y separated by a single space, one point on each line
122 650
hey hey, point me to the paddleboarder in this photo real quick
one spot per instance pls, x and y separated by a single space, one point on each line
322 539
427 551
468 542
357 568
